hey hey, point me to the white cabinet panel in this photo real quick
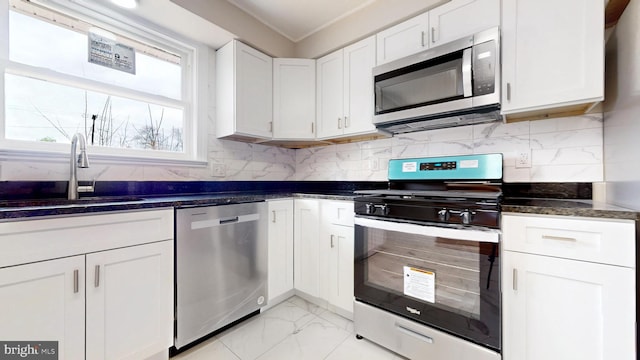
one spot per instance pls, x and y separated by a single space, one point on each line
552 54
330 94
341 267
406 38
280 247
244 92
568 288
130 301
567 309
44 301
345 91
359 60
294 98
306 246
459 18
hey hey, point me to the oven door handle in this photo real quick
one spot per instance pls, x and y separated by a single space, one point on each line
462 233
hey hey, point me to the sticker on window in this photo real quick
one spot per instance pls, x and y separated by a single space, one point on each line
409 166
420 284
107 52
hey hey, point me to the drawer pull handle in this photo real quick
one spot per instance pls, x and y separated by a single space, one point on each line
414 334
515 279
559 238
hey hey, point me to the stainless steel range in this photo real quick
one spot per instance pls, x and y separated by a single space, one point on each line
427 259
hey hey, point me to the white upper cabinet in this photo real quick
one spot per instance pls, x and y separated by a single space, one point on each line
552 56
404 39
359 60
345 90
330 94
294 98
459 18
244 92
448 22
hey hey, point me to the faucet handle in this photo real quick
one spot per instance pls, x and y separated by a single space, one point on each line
87 188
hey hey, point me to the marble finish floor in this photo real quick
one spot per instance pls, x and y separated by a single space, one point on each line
294 329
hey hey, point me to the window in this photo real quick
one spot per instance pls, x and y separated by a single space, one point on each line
69 69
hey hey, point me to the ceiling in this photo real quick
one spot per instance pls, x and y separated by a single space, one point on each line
297 19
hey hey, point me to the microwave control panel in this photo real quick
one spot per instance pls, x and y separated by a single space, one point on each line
484 68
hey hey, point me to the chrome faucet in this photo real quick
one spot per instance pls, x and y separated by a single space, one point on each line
81 160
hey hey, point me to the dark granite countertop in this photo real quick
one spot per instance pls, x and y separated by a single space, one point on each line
567 207
20 209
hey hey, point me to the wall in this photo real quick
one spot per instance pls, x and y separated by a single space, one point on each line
622 111
244 26
563 149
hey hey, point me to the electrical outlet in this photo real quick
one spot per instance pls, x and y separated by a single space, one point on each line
523 158
217 170
373 165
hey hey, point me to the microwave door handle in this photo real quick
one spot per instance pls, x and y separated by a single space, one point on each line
467 90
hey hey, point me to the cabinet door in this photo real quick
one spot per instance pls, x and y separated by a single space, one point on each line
130 301
459 18
280 258
254 91
294 98
553 53
404 39
338 212
566 309
359 60
330 98
306 246
44 301
341 267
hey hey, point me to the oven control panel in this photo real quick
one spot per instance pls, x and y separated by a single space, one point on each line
450 168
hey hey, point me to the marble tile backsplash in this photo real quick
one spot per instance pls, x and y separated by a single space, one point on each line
563 149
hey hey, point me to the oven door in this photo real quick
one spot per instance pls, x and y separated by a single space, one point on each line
445 277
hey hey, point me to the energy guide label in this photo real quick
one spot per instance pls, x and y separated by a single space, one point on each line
420 284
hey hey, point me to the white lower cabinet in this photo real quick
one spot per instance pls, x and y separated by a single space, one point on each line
324 253
97 301
340 269
555 307
129 301
44 301
280 249
306 232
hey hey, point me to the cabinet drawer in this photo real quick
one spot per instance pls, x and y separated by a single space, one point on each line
606 241
41 239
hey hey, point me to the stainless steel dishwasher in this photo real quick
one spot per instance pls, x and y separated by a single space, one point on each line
221 267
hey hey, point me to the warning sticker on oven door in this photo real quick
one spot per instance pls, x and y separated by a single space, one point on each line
420 284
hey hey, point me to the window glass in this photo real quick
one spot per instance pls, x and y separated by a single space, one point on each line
52 89
38 110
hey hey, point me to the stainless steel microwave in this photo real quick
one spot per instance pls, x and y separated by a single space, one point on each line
454 84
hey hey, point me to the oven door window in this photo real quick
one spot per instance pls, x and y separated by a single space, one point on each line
448 283
426 83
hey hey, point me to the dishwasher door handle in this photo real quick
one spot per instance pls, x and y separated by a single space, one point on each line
229 220
202 224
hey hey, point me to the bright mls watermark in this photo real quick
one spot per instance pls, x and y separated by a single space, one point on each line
31 350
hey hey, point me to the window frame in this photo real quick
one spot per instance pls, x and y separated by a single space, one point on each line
195 57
